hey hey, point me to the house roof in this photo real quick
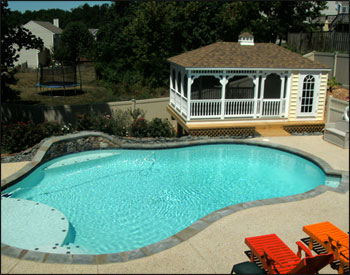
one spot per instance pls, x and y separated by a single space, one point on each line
93 31
49 26
246 34
234 55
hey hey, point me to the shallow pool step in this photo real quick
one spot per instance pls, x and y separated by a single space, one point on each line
83 158
66 249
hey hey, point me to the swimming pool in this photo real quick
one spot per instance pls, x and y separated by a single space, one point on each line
119 200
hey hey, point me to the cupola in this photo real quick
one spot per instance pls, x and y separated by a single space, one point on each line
246 39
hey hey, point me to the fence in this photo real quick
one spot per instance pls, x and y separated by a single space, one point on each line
319 41
335 109
338 62
68 113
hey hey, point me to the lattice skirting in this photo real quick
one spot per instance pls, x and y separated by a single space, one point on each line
215 132
292 129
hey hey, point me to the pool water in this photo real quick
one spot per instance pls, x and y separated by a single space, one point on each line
119 200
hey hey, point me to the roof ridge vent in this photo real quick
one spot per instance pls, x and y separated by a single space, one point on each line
246 39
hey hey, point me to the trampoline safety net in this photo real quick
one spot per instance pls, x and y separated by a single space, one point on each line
58 76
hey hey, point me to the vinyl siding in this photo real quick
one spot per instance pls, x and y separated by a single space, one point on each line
293 99
322 96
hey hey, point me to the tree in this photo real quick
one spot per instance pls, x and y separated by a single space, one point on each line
76 42
137 37
282 17
13 39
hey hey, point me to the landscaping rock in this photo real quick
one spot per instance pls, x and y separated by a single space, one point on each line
81 144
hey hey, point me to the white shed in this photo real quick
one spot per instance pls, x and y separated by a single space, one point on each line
227 85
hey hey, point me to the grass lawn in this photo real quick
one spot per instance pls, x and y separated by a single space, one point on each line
93 91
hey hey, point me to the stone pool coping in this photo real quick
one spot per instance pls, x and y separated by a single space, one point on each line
182 235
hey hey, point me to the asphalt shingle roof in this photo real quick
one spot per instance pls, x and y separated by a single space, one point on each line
233 55
49 26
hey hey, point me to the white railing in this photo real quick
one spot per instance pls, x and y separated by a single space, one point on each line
205 108
239 107
184 106
177 100
172 97
232 107
271 107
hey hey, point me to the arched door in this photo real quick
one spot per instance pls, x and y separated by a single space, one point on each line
308 92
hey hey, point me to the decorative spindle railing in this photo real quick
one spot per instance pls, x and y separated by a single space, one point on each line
212 108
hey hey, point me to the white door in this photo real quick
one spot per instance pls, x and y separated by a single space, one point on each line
309 86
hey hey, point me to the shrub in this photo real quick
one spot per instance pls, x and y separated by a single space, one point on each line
20 136
139 128
13 136
84 122
160 128
122 122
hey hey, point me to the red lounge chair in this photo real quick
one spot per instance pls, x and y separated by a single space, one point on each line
277 257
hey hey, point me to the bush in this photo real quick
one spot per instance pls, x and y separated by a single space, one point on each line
12 136
84 122
160 128
139 128
115 124
20 136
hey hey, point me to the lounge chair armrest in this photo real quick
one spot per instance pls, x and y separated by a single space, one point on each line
301 247
332 240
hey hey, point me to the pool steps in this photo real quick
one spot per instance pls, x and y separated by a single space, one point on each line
53 233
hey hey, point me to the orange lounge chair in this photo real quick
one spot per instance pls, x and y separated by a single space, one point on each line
277 257
332 239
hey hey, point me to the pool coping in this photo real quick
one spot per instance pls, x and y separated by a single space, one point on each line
186 233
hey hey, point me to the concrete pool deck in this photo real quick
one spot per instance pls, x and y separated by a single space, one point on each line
216 248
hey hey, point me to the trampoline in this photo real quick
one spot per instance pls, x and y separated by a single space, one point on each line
62 76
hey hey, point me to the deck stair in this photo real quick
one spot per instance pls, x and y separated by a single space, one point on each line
271 130
337 133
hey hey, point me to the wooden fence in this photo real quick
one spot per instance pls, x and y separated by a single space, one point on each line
319 41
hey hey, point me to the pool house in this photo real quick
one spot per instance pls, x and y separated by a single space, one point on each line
229 86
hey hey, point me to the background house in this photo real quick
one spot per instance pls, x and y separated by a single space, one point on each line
49 33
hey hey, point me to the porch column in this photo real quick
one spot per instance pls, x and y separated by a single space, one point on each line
281 94
286 105
262 89
189 84
223 82
256 89
181 85
180 89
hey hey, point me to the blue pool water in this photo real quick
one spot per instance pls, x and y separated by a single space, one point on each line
119 200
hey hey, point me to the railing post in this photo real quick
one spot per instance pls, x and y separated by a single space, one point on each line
262 90
256 89
223 82
281 95
189 83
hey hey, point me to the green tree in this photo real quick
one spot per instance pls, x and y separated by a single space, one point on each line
76 42
13 39
137 37
282 17
113 47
